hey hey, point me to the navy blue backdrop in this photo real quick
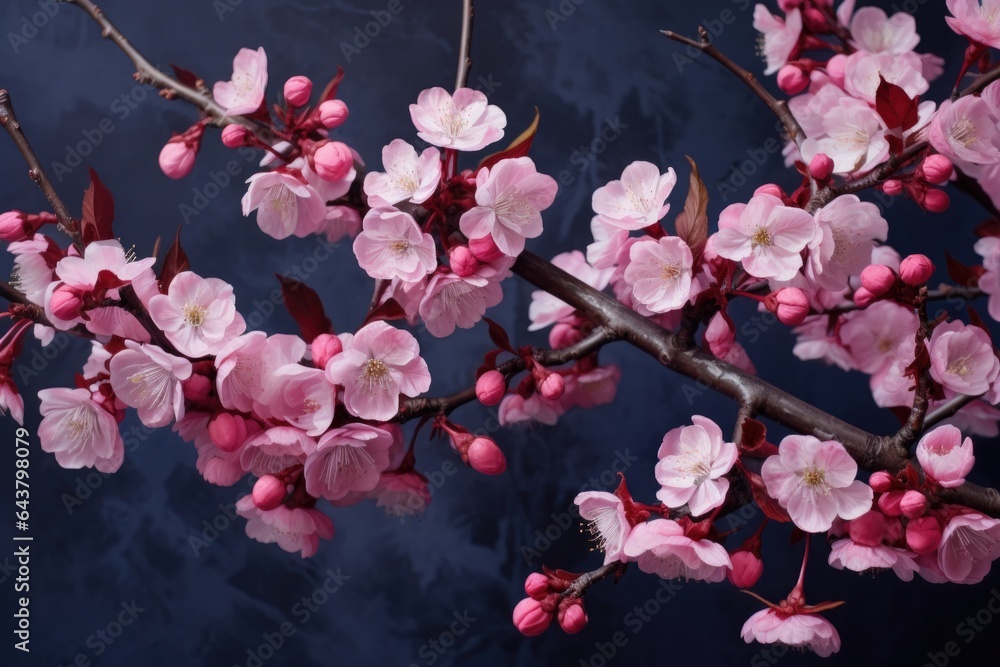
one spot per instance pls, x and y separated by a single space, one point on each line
115 576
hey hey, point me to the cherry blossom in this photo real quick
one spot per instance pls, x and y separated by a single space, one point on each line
272 450
874 334
401 494
848 231
79 431
976 19
608 523
863 73
462 122
659 273
969 544
452 301
781 37
945 457
660 547
198 315
875 32
246 362
766 236
988 248
347 459
638 199
407 176
966 130
391 245
798 630
546 309
608 241
692 462
148 379
853 136
302 397
285 204
962 358
244 93
297 529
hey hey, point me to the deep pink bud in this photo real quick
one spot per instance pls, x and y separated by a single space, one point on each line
923 535
197 387
892 187
863 297
177 159
297 91
17 226
889 503
463 263
747 568
821 166
936 201
530 619
770 189
486 457
878 279
268 492
893 530
491 387
332 113
792 80
536 585
333 160
234 135
815 19
916 269
227 431
485 249
880 481
937 169
868 529
325 347
572 617
66 303
913 504
790 304
552 386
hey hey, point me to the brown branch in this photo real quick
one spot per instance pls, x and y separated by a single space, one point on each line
909 431
779 107
876 176
588 579
946 409
981 82
465 45
943 292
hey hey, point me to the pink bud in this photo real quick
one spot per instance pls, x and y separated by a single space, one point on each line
923 535
486 457
792 80
790 304
268 493
234 135
563 335
937 169
197 387
325 347
913 504
821 166
332 113
746 571
815 20
868 529
485 249
491 387
572 617
463 263
552 386
916 269
936 201
836 69
889 503
297 91
892 187
17 226
333 160
878 279
66 303
536 585
893 530
770 189
177 159
789 5
880 481
227 431
863 297
530 619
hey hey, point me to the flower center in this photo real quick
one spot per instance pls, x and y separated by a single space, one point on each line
761 237
310 406
885 345
194 314
960 366
375 371
511 207
399 246
813 477
964 132
669 271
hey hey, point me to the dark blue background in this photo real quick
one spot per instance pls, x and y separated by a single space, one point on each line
129 538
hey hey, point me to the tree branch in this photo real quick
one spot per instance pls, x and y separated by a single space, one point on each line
588 579
465 45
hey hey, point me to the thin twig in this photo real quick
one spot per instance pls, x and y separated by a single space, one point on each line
588 579
942 292
946 410
465 45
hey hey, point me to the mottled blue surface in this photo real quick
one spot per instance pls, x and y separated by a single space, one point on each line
405 584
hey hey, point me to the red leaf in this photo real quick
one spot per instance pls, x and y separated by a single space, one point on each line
98 211
692 223
897 109
305 307
768 505
386 311
990 227
963 274
517 148
175 262
107 280
753 434
499 336
330 91
489 362
188 78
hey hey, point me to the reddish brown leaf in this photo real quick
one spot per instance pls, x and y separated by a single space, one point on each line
305 307
895 107
767 504
517 148
330 92
175 262
98 211
989 227
499 336
692 223
963 274
386 311
753 434
489 362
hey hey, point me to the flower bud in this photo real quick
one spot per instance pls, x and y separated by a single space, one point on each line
770 189
332 161
491 387
66 303
916 269
937 169
815 20
790 304
332 113
889 503
485 249
868 529
486 457
297 91
177 159
18 226
197 387
268 493
325 347
234 135
463 263
227 431
536 585
936 201
821 167
923 535
552 386
563 335
878 279
747 568
913 504
792 80
893 530
892 187
836 69
880 481
530 619
863 298
572 617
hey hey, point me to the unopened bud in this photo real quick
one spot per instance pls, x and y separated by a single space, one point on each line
297 91
923 535
177 159
821 166
536 585
572 617
491 387
227 431
747 569
197 387
66 303
863 298
332 113
936 201
486 457
530 619
485 249
552 386
790 304
889 503
462 262
937 169
913 504
916 269
333 160
868 529
268 493
234 135
325 347
792 80
770 189
880 481
892 187
878 279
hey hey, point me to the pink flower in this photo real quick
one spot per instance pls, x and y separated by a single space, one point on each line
407 177
969 544
515 408
660 547
637 200
245 365
862 71
693 462
608 241
546 309
78 431
346 460
853 136
509 200
378 364
945 457
608 524
244 93
148 379
815 482
816 341
848 230
659 273
293 529
198 315
966 131
988 248
766 236
798 630
271 451
401 494
588 390
285 204
962 358
392 246
452 301
781 37
874 334
302 397
874 32
34 264
851 555
464 122
976 19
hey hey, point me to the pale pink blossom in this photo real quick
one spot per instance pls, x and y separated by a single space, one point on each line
340 222
781 36
509 200
215 466
863 73
546 309
962 358
853 136
393 246
969 545
814 481
10 400
660 547
462 122
347 459
848 231
407 176
244 93
609 526
79 431
285 204
198 315
34 265
988 248
401 494
890 385
817 341
328 190
597 386
378 364
976 19
296 529
692 463
515 408
873 335
848 554
275 449
303 397
245 365
798 630
766 236
608 241
659 273
638 200
873 31
966 130
451 301
945 457
148 379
